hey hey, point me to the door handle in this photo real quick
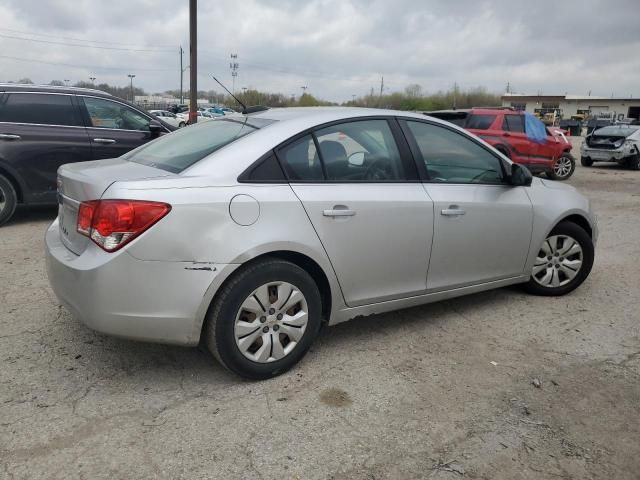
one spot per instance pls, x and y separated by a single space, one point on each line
104 140
453 211
9 136
338 213
506 134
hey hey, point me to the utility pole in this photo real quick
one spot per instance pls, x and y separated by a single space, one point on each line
304 89
92 79
131 77
234 65
455 94
66 82
193 61
381 89
508 87
181 76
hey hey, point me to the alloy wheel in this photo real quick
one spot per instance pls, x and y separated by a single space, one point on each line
562 167
270 322
3 200
558 262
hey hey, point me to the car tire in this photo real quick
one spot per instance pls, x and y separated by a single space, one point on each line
182 124
8 199
634 162
244 322
563 167
546 263
586 161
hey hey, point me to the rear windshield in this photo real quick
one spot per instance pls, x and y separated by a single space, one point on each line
183 148
616 131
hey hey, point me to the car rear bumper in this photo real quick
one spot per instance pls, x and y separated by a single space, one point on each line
120 295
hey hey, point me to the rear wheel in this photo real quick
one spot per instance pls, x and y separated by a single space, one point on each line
182 124
563 167
563 261
8 199
264 319
586 161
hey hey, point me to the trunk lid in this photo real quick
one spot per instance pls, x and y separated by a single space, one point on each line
79 182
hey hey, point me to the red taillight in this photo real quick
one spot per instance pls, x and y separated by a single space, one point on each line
114 223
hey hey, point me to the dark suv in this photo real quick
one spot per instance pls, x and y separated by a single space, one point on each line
505 130
43 127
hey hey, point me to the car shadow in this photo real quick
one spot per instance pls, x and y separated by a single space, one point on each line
33 213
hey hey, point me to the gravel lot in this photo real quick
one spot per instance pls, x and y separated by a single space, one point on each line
410 394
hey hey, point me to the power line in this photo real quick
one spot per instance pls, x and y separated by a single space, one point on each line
85 67
51 42
74 38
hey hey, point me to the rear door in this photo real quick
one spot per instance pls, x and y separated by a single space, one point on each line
515 136
114 128
38 133
361 192
482 225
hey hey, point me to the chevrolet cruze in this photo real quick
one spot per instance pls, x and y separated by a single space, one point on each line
248 233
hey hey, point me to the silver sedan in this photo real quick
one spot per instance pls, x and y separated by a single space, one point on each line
249 233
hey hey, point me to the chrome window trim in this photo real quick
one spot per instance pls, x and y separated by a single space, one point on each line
45 125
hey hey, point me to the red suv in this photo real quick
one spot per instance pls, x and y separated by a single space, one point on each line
504 129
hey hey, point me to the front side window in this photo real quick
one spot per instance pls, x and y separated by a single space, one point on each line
300 160
38 108
185 147
513 123
451 157
107 114
360 151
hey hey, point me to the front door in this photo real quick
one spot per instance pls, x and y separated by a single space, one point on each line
114 128
374 219
482 225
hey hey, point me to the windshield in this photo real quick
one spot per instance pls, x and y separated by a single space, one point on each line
617 131
183 148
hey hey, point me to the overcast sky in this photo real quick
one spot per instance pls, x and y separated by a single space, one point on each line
335 47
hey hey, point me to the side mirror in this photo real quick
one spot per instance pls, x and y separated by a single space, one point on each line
155 128
520 175
356 159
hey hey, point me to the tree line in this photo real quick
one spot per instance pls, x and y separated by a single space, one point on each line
413 97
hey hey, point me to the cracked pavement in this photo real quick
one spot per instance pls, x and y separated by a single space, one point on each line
409 394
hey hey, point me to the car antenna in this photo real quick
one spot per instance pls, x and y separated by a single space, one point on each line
244 107
245 110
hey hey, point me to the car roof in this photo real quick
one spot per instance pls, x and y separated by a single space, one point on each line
18 87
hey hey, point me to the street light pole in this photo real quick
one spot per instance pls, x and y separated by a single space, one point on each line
92 79
131 77
193 61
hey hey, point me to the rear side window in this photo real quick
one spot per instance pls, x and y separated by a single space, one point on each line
300 160
480 122
266 170
513 123
183 148
39 108
107 114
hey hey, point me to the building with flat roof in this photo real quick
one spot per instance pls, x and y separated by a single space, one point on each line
570 105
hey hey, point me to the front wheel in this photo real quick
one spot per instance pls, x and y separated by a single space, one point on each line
563 261
8 199
182 124
586 161
563 167
634 162
264 319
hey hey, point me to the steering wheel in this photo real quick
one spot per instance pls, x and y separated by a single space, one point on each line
376 171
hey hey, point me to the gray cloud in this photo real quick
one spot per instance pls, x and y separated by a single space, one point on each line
336 47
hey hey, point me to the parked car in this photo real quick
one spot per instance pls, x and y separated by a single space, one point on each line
616 143
183 118
504 129
166 116
249 233
43 127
